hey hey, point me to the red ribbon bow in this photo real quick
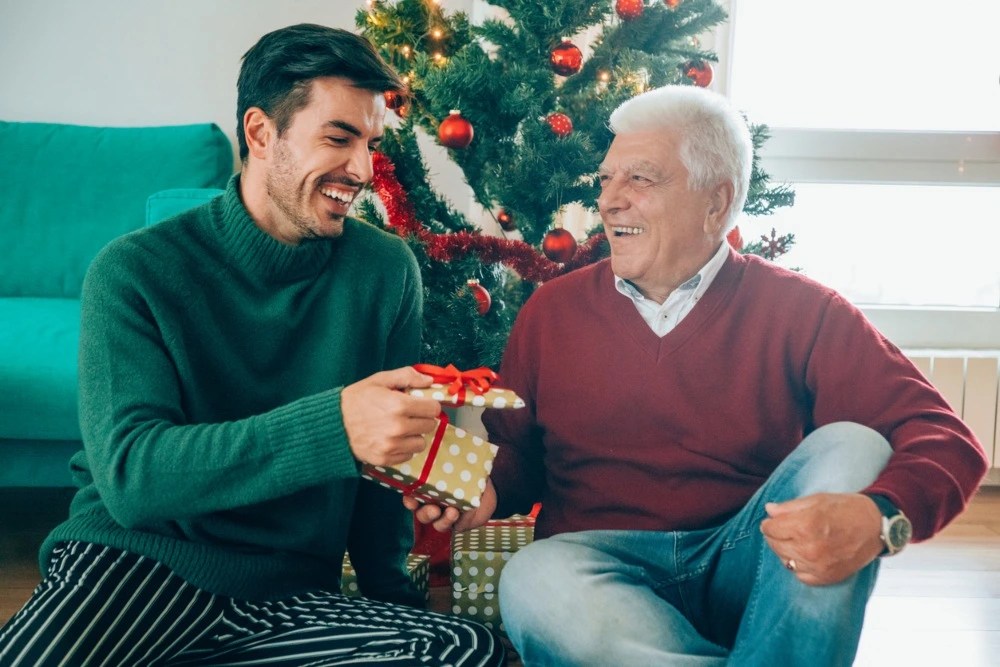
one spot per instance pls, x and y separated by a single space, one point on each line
478 380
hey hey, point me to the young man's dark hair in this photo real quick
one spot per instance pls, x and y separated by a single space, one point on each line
277 71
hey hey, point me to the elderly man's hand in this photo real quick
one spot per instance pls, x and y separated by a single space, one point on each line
829 536
448 518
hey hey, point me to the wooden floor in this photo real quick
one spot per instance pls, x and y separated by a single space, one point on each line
937 603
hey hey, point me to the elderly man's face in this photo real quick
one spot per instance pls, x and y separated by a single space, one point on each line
660 232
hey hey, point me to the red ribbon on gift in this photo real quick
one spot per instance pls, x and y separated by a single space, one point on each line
428 464
478 380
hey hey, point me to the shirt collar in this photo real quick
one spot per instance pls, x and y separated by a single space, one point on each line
698 284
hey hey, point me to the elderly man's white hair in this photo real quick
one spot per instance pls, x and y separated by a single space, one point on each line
715 143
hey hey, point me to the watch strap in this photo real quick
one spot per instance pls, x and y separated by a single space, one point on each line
885 506
890 516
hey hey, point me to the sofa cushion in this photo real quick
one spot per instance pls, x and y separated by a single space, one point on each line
69 189
38 351
168 203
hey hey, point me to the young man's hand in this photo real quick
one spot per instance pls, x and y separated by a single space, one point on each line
447 518
384 425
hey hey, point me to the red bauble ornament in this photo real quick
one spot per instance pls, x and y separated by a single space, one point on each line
699 71
506 220
483 298
559 245
672 3
394 100
560 124
629 9
455 131
566 59
735 238
397 102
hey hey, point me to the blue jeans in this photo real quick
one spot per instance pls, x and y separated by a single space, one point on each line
705 597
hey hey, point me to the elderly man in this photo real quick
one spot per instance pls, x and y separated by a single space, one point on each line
723 449
237 364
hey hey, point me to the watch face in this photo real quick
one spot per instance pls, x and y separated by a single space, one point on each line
900 532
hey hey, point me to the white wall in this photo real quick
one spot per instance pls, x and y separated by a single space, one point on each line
139 62
128 62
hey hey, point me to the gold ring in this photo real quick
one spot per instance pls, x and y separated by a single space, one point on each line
790 564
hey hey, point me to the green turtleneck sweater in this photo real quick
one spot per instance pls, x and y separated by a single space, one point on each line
212 359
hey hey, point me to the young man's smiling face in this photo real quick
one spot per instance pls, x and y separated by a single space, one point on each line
661 232
320 163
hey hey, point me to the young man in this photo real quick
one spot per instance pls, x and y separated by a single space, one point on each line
233 375
723 449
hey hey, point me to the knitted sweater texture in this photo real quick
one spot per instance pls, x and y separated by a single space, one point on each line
211 363
627 430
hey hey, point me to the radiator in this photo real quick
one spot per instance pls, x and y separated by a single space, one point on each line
968 379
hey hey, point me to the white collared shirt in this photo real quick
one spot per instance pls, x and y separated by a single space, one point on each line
662 318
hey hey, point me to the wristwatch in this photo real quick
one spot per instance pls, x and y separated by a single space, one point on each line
896 528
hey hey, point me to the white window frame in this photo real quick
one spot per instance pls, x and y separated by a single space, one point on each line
872 157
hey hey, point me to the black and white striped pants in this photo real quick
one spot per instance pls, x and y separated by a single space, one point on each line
103 606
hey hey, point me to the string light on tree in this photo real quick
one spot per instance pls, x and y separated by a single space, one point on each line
455 131
629 9
699 71
483 299
566 59
560 124
672 3
559 245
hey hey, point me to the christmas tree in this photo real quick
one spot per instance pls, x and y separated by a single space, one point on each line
524 113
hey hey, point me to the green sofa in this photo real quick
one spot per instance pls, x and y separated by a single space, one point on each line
67 190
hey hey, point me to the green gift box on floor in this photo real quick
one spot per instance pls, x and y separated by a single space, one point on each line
418 566
477 558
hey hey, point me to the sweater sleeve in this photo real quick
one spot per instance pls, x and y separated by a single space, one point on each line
856 374
518 472
381 535
148 464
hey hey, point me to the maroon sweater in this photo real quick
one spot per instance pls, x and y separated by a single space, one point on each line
627 430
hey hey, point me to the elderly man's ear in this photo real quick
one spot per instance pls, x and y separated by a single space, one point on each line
718 208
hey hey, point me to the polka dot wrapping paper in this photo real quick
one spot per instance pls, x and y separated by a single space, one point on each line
453 467
417 565
477 558
496 397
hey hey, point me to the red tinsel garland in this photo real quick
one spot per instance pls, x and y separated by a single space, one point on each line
522 257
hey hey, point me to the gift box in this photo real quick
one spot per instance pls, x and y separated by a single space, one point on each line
417 566
453 467
477 558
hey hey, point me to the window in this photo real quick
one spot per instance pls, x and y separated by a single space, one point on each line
885 119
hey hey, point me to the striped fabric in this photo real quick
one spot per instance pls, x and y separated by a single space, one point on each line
103 606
